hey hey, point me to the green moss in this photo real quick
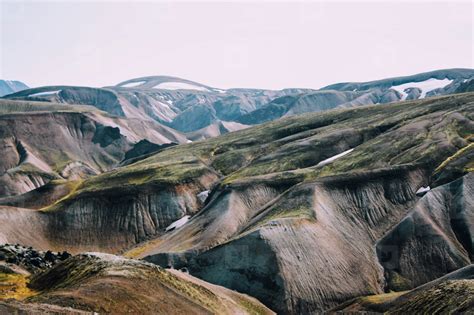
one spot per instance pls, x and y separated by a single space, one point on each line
290 148
195 292
251 307
449 297
397 282
459 153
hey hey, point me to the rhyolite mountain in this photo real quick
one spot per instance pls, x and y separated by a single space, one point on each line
9 86
44 141
325 211
187 107
204 111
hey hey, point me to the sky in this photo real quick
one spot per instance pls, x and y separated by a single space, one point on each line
256 44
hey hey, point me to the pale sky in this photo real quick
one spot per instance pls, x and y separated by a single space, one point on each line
241 44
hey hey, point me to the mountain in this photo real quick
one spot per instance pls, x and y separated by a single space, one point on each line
198 109
42 142
184 105
430 83
350 94
303 213
8 87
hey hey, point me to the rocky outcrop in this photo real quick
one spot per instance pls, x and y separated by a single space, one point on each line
145 147
29 259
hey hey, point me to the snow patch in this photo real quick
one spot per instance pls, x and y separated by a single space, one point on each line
177 224
220 90
332 158
422 190
425 86
133 84
46 93
202 196
179 86
189 141
107 257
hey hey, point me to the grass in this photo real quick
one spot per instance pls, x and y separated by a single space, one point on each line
459 153
15 286
143 247
196 292
449 297
72 186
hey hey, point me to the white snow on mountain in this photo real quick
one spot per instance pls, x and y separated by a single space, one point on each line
425 86
332 158
45 93
422 190
179 86
203 195
177 224
133 84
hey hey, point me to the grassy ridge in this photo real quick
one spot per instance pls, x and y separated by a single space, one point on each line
423 132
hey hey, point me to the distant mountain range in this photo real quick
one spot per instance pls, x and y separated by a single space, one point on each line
8 87
203 111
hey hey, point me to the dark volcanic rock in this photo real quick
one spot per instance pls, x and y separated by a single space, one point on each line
145 147
105 135
32 260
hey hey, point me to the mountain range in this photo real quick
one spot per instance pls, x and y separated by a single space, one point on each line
163 195
203 111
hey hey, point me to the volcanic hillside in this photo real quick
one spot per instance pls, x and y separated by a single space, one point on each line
303 213
42 142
